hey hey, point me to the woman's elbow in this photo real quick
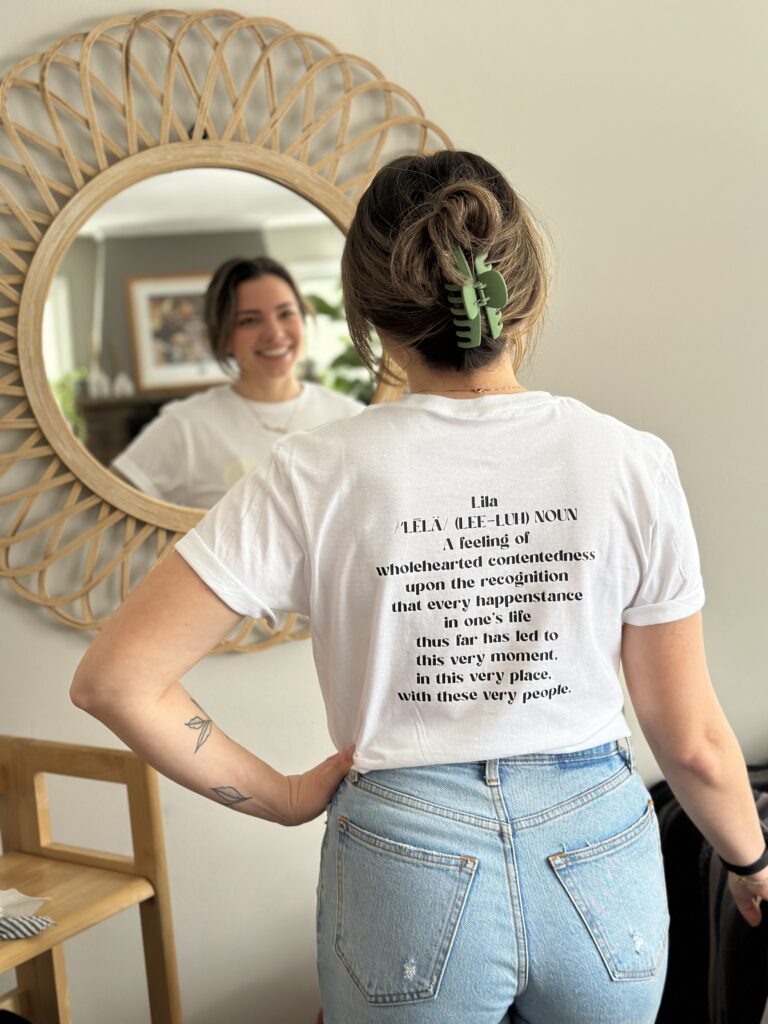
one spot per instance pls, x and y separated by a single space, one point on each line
83 692
90 690
113 688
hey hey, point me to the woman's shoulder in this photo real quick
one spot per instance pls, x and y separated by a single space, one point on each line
328 398
609 430
192 406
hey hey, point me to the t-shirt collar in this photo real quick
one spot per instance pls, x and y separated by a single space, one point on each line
472 407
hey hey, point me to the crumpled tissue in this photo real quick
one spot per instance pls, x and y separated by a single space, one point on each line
17 915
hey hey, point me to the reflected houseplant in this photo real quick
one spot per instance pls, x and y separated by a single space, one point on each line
346 372
66 390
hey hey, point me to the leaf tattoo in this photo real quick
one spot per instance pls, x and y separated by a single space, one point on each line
229 795
204 725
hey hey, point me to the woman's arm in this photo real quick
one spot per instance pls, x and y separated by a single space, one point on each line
129 680
665 669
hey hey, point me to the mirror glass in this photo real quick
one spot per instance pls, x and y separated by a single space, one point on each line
127 350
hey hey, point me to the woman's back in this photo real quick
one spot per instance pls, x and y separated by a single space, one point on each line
467 567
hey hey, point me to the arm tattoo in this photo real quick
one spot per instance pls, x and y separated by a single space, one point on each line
229 795
203 725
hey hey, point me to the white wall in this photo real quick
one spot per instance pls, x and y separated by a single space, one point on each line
638 133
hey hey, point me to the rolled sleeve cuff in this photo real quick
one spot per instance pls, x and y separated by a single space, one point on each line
665 611
214 574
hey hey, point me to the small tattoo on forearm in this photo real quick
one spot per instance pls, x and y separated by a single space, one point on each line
203 725
229 795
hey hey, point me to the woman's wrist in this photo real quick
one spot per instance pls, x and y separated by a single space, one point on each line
757 880
756 867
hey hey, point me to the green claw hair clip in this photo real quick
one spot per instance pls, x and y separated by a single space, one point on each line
486 290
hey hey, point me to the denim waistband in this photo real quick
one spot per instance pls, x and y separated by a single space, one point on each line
569 757
491 766
587 754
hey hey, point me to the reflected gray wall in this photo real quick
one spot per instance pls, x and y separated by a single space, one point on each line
304 242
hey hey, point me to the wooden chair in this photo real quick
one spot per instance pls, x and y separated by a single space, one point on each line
85 886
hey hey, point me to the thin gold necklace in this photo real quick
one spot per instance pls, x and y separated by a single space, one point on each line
276 430
289 422
477 391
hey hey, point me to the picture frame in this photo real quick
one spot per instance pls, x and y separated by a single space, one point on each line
168 336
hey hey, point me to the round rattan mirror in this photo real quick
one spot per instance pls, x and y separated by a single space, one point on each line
97 113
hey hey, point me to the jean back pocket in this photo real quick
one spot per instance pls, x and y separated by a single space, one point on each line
398 912
617 886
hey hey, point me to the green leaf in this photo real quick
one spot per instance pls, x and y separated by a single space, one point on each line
324 308
348 357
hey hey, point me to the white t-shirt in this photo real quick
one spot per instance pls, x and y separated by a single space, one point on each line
198 447
467 566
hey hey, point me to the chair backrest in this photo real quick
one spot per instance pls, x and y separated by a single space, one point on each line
25 828
25 824
8 824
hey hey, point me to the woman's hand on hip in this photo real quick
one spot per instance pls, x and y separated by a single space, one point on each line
310 793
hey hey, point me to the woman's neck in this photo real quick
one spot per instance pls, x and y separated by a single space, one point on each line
278 389
497 378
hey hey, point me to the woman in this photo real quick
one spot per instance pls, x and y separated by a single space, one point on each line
198 447
476 559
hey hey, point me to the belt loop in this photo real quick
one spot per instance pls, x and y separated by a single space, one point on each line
630 754
492 772
352 776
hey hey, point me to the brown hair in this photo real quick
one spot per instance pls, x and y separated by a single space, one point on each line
220 304
398 257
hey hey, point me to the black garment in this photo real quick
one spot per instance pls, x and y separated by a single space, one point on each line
718 964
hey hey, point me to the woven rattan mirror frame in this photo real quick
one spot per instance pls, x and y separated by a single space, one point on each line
93 114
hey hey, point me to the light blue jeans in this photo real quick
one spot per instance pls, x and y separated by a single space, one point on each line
524 889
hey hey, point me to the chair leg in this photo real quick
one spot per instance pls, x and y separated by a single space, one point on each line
44 979
160 961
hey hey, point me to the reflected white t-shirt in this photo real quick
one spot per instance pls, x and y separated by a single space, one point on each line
467 566
198 447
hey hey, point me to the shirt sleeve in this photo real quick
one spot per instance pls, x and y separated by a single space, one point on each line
250 547
155 460
671 587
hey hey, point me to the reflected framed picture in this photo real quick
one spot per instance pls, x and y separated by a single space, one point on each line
168 335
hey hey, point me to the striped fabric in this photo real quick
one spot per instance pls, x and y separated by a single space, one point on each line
23 927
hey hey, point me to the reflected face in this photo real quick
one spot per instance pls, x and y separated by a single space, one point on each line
268 336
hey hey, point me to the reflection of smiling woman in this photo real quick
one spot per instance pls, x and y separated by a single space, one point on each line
198 447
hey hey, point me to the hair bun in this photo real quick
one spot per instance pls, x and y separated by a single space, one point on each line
464 213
